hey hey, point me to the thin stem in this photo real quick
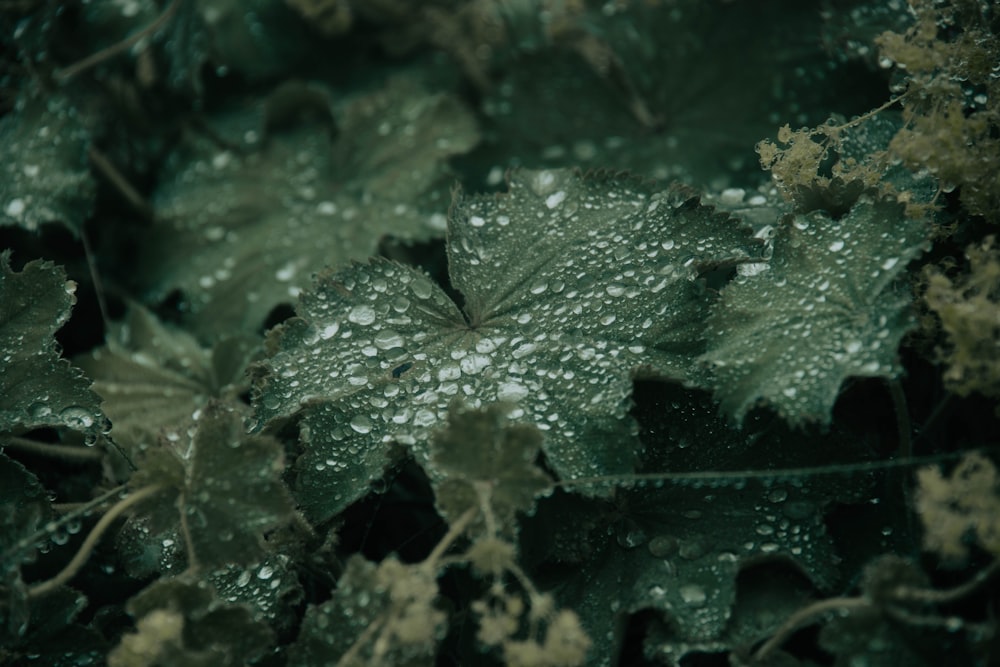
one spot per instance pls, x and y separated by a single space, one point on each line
82 509
803 617
352 653
903 425
88 545
456 529
775 473
64 452
117 179
931 596
192 558
98 57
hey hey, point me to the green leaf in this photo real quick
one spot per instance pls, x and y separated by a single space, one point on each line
44 171
572 286
828 307
269 588
182 624
37 387
52 638
487 460
227 485
383 614
685 61
152 377
24 508
248 227
677 548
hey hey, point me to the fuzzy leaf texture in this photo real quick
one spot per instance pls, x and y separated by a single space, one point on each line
228 485
380 616
486 460
37 387
573 285
184 624
828 307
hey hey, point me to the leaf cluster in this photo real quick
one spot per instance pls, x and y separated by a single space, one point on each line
469 332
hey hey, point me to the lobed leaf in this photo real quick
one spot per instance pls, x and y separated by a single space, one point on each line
153 377
251 226
227 485
572 285
37 387
677 548
485 460
827 308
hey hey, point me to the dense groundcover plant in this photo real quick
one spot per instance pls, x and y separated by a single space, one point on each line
475 332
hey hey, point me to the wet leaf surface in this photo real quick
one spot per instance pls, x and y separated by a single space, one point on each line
828 307
153 377
679 547
37 386
250 224
226 484
571 285
44 171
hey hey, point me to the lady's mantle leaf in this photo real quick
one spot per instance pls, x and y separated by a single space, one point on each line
677 549
487 461
572 285
153 377
227 484
37 387
44 174
249 228
827 309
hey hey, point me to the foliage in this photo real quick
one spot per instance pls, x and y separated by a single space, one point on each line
968 307
45 175
828 307
332 333
37 386
378 351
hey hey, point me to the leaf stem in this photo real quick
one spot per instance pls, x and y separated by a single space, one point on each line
65 452
453 534
96 58
803 617
78 510
68 572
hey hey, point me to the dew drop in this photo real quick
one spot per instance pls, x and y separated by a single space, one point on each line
361 424
693 594
387 339
363 315
421 288
555 199
76 417
328 331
